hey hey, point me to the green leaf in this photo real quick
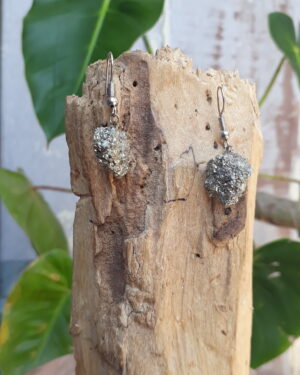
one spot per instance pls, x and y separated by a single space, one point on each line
276 289
62 37
31 212
282 30
36 315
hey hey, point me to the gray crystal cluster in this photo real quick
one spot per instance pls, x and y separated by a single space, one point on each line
226 177
112 150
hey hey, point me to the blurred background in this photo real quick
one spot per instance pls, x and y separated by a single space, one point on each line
229 35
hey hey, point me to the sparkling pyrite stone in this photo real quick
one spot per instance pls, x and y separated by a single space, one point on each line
112 150
226 177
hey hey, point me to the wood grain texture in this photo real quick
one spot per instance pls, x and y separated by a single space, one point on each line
154 290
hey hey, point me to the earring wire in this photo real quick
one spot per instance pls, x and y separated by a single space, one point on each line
109 74
220 90
111 100
221 108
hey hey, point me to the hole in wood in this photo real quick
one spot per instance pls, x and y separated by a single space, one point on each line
207 126
215 144
157 148
134 84
209 96
197 255
227 211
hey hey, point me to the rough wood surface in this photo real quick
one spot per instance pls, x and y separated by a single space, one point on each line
162 275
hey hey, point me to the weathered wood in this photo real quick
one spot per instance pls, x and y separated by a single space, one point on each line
162 275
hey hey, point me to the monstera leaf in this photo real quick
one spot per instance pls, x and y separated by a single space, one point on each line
31 212
282 30
62 37
276 288
36 315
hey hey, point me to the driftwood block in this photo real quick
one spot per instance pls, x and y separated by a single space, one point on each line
162 273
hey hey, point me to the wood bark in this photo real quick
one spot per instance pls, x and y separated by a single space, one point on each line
162 273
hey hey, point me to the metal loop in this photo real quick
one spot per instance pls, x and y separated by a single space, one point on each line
220 110
114 119
227 146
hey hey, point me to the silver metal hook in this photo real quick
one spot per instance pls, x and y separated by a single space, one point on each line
224 131
221 111
109 73
111 100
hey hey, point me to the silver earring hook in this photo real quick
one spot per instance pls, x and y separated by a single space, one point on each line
109 87
221 108
111 100
109 69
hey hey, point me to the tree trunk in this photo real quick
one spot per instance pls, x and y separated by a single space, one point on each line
162 273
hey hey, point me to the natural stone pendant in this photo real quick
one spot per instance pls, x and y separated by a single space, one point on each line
226 174
111 145
112 150
226 177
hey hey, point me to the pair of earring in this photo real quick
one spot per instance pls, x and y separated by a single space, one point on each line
226 174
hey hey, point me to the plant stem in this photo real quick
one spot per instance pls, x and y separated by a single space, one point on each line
278 211
53 188
278 178
147 44
271 83
281 178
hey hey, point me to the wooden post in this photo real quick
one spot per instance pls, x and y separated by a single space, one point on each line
162 274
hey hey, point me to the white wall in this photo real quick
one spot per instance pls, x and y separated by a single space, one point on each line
228 34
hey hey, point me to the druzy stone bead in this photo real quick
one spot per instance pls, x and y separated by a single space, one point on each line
112 150
226 177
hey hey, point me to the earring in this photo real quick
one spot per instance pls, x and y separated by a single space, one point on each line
226 174
111 145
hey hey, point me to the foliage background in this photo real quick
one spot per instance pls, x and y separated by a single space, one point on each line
231 35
